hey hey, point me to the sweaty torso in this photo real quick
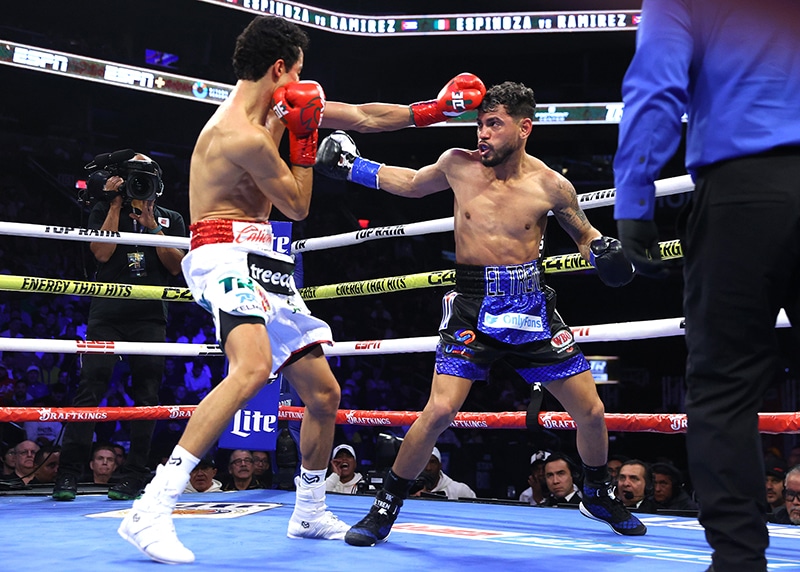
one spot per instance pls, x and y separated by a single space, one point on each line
218 186
498 221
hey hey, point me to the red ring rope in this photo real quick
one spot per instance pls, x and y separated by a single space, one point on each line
625 422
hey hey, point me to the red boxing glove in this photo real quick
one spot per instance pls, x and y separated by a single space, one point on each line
299 106
462 93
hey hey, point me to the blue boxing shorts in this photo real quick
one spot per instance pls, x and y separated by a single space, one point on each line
233 269
505 313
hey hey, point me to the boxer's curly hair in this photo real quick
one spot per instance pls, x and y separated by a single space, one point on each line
264 41
515 97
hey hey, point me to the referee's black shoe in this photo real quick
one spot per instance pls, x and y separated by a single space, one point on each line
66 487
129 488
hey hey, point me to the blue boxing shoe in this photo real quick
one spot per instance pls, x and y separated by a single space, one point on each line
599 503
376 526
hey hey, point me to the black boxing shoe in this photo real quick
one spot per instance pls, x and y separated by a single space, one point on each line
600 504
129 488
376 526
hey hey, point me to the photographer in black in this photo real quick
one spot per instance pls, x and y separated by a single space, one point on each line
123 189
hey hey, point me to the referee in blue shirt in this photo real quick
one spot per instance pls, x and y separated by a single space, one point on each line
733 66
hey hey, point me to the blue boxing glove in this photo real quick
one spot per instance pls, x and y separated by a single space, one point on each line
338 158
607 256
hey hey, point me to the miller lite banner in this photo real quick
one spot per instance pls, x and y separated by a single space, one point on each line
282 231
255 426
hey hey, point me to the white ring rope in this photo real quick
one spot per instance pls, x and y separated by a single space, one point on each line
594 199
367 234
621 331
90 235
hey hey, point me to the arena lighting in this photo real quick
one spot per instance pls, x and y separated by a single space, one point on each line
160 59
161 82
441 24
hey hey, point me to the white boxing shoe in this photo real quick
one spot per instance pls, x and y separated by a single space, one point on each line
154 534
148 525
311 519
325 527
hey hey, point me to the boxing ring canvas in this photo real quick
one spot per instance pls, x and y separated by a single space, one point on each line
246 530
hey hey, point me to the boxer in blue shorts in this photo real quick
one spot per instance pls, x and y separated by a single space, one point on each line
505 313
500 309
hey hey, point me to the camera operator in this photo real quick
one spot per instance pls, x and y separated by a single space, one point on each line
125 202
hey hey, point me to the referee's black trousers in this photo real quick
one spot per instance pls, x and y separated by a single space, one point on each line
742 265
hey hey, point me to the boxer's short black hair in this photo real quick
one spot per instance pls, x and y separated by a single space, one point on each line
515 97
264 41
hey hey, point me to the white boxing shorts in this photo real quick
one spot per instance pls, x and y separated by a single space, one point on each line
233 268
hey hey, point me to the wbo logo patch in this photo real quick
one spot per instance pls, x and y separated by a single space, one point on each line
563 341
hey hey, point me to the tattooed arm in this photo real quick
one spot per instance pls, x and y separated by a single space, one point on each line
570 216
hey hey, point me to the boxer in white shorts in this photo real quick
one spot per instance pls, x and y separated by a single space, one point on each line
234 273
